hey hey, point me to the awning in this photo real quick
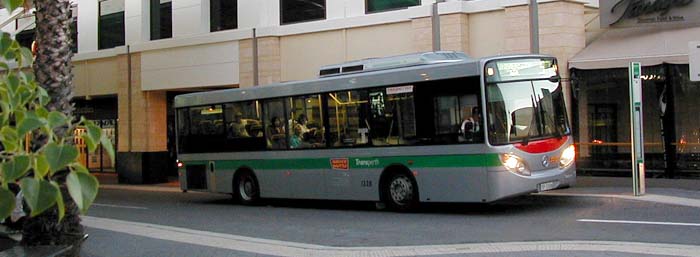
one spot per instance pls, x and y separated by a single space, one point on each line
650 46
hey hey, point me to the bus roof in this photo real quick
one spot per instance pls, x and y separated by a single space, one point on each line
432 69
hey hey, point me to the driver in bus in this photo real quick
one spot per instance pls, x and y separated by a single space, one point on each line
470 128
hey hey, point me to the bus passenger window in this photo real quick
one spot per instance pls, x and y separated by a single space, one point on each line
347 120
393 116
244 131
306 129
275 127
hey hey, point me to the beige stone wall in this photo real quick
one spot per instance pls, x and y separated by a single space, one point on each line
95 77
454 33
379 41
486 33
148 112
269 61
317 49
517 30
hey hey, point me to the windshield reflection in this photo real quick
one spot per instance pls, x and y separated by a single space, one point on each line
520 111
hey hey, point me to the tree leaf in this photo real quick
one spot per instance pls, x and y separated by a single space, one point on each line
41 166
42 112
93 135
15 168
57 119
11 5
5 41
27 56
58 156
107 146
29 123
9 139
7 203
59 202
83 189
77 167
39 194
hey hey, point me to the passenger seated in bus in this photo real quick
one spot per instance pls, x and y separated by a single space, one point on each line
309 135
276 138
470 129
236 128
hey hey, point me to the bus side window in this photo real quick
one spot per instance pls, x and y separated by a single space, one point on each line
306 128
393 116
275 124
347 119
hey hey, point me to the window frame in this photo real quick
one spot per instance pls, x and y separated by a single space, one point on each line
367 11
282 23
221 17
151 20
100 32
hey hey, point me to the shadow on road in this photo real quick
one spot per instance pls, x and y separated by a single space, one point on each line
512 206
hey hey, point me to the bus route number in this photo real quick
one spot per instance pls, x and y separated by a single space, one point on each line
366 183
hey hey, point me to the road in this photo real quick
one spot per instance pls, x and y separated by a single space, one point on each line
141 223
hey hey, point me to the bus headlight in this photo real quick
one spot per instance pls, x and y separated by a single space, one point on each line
514 164
567 157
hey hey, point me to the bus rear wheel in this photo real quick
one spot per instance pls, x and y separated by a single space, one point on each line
246 188
401 193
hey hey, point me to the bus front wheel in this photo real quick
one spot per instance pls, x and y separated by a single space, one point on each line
401 192
246 188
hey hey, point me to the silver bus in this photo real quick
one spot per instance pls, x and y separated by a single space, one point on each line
426 127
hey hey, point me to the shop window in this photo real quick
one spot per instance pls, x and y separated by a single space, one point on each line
161 19
388 5
223 15
244 128
275 124
393 119
111 24
293 11
305 122
347 120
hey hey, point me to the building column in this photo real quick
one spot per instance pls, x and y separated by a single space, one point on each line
142 155
269 61
454 33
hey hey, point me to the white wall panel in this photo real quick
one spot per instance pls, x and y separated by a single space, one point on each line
192 66
87 25
258 13
187 18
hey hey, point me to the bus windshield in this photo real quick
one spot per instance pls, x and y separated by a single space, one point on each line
529 108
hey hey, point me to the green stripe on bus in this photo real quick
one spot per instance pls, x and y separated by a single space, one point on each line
438 161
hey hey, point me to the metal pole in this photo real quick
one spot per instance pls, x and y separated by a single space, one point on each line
534 28
130 120
255 59
636 128
435 17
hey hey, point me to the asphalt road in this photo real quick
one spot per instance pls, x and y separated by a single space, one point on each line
359 224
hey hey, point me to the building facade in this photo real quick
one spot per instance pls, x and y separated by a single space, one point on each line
133 56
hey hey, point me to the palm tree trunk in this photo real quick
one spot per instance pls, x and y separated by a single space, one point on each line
53 70
53 57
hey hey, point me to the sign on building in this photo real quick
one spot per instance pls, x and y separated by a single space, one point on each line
694 57
636 13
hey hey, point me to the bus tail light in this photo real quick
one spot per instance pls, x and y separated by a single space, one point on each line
514 164
567 157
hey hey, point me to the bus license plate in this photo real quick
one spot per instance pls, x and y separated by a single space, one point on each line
547 186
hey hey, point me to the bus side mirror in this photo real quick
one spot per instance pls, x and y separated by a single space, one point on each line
555 78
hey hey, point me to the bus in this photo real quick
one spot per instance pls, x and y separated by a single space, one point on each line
402 130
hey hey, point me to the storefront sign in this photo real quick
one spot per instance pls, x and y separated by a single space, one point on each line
635 13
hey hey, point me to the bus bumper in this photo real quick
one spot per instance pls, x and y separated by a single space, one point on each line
504 184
